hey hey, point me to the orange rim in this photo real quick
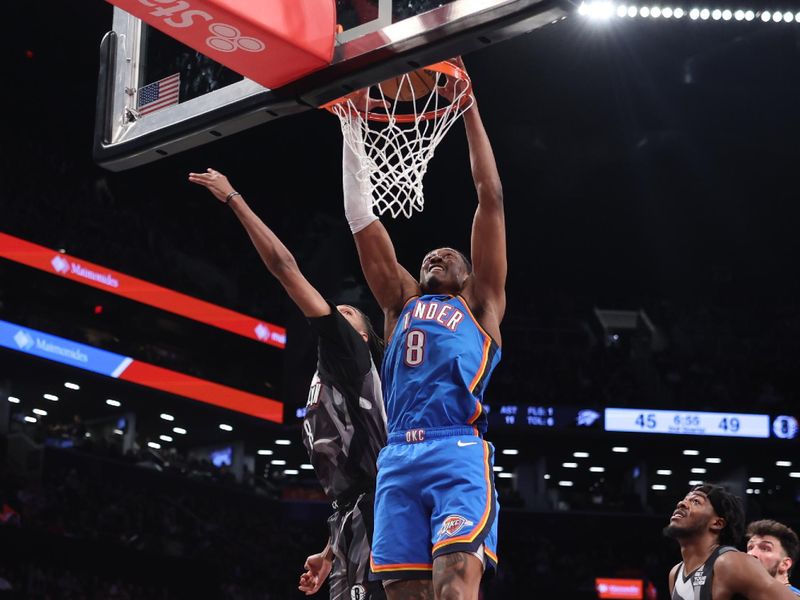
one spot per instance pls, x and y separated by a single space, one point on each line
444 67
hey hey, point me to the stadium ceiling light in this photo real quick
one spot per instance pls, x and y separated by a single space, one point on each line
597 469
497 469
619 449
583 9
119 432
644 11
71 386
699 470
632 12
283 442
749 15
694 14
265 452
165 438
705 14
291 472
695 482
167 417
622 11
570 465
663 472
179 430
307 467
655 12
510 451
225 427
727 15
547 475
716 14
13 400
756 480
277 462
766 16
565 483
756 491
691 452
154 445
788 17
31 419
40 412
505 475
679 13
795 474
51 397
112 402
712 460
659 487
667 12
739 15
783 463
749 491
777 17
580 454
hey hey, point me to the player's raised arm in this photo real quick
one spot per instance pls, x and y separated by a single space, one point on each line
489 226
390 283
275 255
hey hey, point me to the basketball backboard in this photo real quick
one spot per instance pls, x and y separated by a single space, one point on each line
199 100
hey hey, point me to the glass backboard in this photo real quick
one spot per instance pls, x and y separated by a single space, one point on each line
157 97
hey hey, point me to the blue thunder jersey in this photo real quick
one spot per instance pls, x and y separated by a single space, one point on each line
437 365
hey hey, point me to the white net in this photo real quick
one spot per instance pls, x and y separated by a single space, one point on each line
395 142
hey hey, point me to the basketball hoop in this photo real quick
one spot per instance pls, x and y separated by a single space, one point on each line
393 128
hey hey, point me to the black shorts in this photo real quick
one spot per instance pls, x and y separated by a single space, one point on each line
351 531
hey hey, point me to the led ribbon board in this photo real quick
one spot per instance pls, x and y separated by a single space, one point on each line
68 352
679 422
96 276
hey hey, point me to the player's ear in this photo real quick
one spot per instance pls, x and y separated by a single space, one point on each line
718 524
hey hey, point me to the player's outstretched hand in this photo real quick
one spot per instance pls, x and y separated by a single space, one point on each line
317 569
452 85
214 181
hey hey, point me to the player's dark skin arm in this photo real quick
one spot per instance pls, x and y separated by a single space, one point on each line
275 255
739 573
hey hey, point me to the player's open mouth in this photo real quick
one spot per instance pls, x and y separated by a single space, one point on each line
678 514
431 270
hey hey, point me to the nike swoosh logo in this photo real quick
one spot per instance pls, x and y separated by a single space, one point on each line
462 444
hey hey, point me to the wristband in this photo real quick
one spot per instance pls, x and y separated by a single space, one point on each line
231 195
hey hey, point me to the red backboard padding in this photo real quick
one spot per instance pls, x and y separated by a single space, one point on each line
272 42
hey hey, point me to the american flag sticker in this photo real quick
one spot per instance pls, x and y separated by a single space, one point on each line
159 94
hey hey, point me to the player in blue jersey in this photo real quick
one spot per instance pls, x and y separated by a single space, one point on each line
776 546
436 506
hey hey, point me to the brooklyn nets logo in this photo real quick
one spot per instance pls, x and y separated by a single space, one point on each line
357 592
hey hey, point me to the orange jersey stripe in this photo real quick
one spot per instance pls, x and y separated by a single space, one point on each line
490 554
487 344
469 312
476 414
469 537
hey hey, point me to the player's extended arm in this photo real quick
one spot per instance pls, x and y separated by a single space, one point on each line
390 283
742 574
489 226
275 255
317 567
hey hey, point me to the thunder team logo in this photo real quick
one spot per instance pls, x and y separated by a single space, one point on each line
453 524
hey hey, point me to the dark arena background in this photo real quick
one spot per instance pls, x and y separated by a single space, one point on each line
651 340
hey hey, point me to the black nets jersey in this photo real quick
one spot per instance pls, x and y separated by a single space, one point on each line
345 423
697 585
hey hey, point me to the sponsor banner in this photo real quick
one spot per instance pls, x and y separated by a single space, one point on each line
97 276
89 358
632 589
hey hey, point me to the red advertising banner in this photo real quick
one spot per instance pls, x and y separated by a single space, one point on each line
626 589
114 282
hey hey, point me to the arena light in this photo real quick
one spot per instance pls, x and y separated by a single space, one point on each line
566 483
712 460
705 14
678 13
569 465
756 480
277 462
547 475
795 474
788 17
659 487
726 15
119 432
31 419
716 14
291 472
663 472
307 467
51 397
691 453
179 430
112 402
580 454
13 400
497 469
40 412
694 14
655 12
165 438
97 276
167 417
154 445
699 470
783 463
71 386
506 475
757 491
766 16
749 15
225 427
265 452
632 12
622 11
283 442
667 13
696 482
749 491
90 358
644 11
619 449
597 469
510 451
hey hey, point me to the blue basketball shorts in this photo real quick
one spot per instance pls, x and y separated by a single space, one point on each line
435 495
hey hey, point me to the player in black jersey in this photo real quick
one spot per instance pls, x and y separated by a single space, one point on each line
708 524
776 546
345 423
